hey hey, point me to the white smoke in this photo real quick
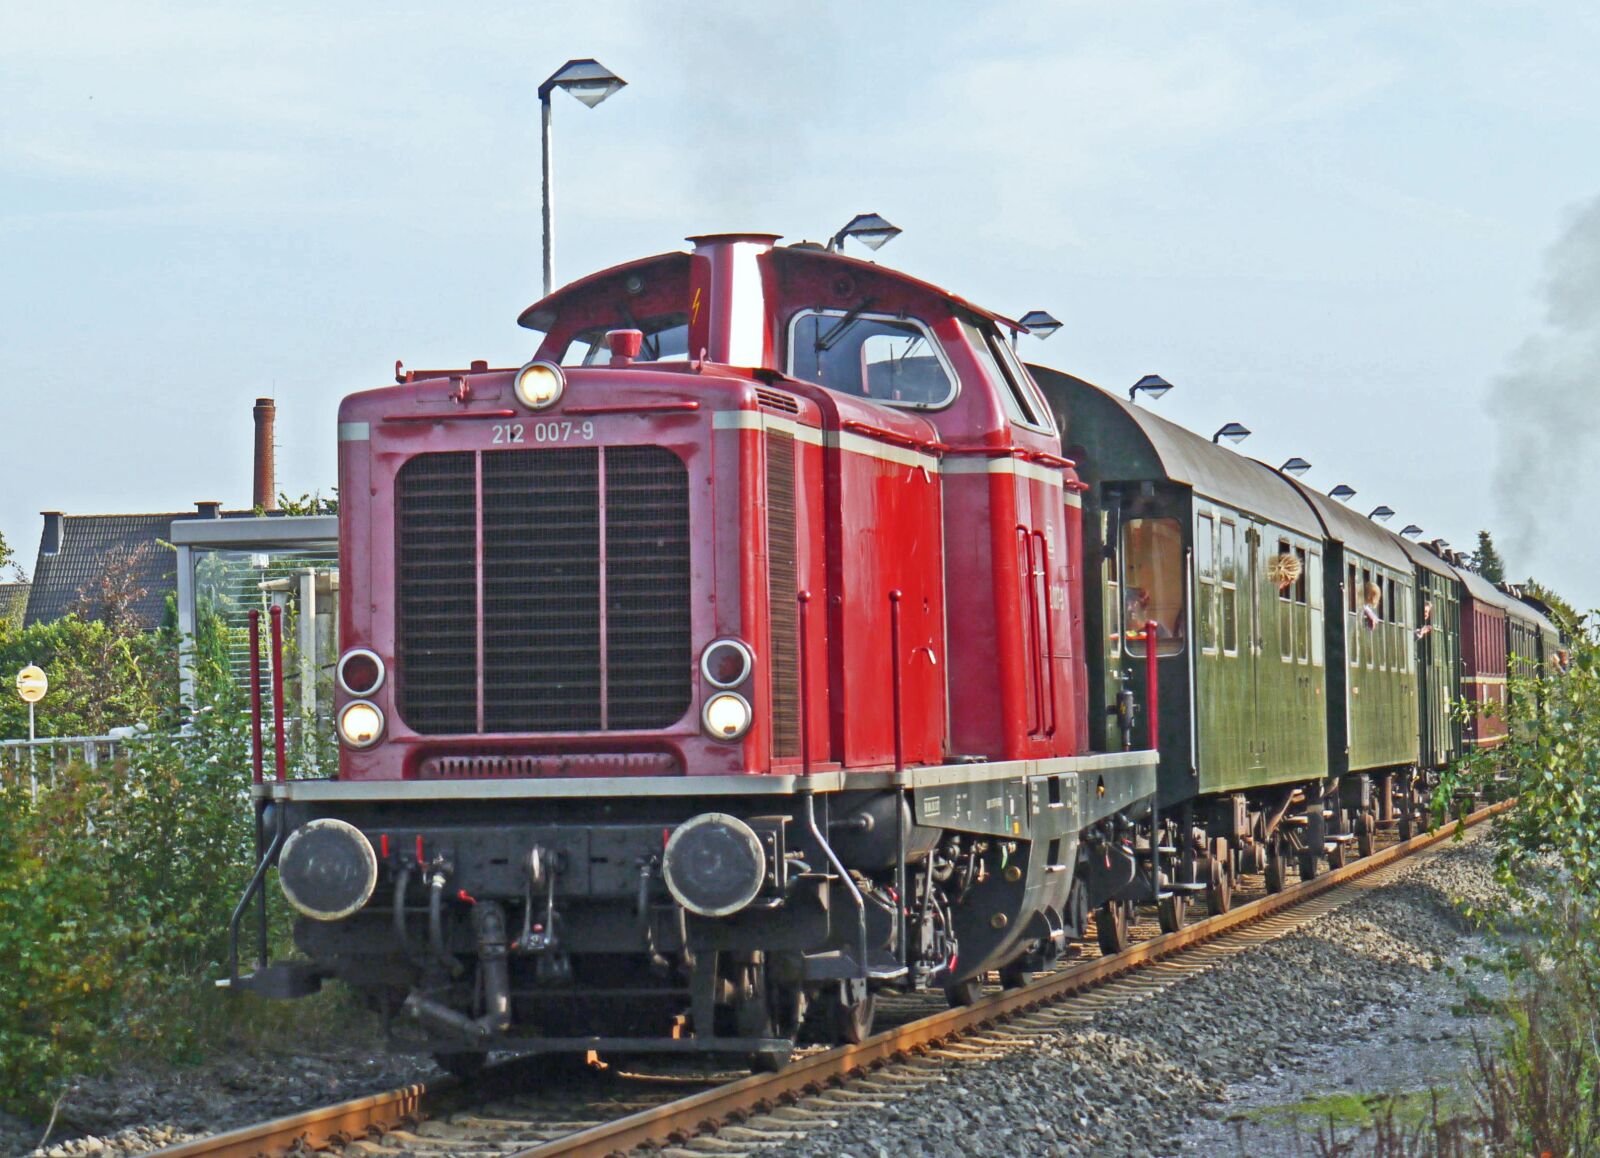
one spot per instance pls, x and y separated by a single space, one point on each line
1546 405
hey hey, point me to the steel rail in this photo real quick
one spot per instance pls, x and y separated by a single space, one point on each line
705 1111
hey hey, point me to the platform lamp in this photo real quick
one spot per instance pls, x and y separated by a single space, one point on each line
1411 531
1295 466
1040 323
1343 492
591 82
870 229
1234 432
1152 384
1381 513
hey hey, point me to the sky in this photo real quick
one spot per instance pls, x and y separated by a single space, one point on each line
1370 233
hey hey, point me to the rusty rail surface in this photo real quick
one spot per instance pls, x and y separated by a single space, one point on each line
698 1113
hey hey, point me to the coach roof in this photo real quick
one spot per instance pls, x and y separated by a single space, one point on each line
1130 444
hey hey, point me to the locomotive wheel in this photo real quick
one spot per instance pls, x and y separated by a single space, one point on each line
1111 927
466 1065
964 992
848 1022
1173 912
1219 883
1275 868
1308 865
1015 975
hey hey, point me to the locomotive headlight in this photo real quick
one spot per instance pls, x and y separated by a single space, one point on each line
327 869
714 864
539 384
360 724
727 716
360 671
726 663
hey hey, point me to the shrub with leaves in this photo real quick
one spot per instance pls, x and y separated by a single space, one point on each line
1540 1086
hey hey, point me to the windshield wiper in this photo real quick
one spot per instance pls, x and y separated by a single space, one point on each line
827 341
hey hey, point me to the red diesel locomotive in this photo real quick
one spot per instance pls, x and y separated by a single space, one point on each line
718 668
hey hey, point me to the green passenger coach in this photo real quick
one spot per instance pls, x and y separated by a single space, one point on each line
1228 560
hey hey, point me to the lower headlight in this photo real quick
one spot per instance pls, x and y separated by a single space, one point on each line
727 716
361 724
327 869
714 864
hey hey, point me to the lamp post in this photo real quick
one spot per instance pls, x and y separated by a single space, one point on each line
1152 384
1295 466
1234 432
32 684
870 229
591 82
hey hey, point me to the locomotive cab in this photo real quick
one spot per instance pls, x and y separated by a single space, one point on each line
721 664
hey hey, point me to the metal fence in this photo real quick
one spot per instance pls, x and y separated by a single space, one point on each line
38 761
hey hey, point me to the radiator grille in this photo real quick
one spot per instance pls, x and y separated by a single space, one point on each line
583 585
782 592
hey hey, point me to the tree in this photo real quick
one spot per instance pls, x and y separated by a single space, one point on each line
1487 561
1566 616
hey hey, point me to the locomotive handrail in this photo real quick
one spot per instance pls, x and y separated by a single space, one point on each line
279 752
1152 687
893 437
442 415
682 404
256 760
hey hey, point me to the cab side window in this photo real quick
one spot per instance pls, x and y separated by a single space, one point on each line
896 361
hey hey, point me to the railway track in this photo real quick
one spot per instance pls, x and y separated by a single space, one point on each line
518 1109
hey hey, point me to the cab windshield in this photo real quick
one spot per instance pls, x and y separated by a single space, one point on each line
666 339
892 360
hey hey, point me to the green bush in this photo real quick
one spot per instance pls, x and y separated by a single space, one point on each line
115 889
1540 1084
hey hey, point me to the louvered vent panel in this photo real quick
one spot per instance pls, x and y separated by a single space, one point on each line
541 590
648 660
782 588
552 662
436 600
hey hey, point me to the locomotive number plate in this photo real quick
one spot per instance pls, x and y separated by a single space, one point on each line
508 433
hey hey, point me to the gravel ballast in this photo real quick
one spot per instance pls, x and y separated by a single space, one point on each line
1333 1005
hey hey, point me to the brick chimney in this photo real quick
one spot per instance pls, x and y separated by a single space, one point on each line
266 482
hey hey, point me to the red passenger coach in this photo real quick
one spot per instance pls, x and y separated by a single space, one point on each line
718 668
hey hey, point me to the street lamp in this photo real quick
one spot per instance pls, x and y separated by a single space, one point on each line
1040 323
1296 467
1411 531
1152 384
1342 492
591 82
1234 432
32 684
869 229
1381 513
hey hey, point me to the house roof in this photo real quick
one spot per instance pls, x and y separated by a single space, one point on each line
88 545
13 603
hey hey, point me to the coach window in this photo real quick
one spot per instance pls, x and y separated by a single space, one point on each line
1352 620
896 361
1314 589
1371 601
1302 625
1228 594
1205 566
1153 580
1284 577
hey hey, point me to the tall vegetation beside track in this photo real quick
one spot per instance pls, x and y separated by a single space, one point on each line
1539 1085
116 882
